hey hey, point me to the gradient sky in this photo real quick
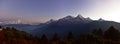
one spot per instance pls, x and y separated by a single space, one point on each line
42 10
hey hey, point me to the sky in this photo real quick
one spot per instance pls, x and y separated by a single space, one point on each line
39 11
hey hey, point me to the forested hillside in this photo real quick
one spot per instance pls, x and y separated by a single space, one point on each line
13 36
98 36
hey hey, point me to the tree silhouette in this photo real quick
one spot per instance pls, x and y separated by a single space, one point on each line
0 26
14 36
70 36
55 37
112 34
98 32
44 39
87 39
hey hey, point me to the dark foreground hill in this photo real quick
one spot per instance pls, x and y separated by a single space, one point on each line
13 36
97 36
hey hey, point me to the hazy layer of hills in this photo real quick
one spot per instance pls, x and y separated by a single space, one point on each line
64 25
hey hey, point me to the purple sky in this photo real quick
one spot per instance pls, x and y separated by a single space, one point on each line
43 10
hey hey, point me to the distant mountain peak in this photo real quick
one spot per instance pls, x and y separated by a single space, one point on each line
73 20
79 16
88 18
101 19
68 17
50 21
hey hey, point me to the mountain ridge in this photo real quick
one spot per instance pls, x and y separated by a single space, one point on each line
67 24
62 27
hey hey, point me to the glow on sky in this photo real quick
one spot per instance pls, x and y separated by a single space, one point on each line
33 11
110 10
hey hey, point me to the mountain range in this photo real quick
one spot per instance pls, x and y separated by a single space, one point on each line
77 25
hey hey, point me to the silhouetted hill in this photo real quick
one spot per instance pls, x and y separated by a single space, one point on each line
13 36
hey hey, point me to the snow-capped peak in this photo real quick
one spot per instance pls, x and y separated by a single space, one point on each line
50 21
71 20
101 19
68 17
79 16
88 18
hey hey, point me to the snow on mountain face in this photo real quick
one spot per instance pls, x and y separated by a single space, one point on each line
50 21
80 17
68 18
88 18
73 20
101 19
